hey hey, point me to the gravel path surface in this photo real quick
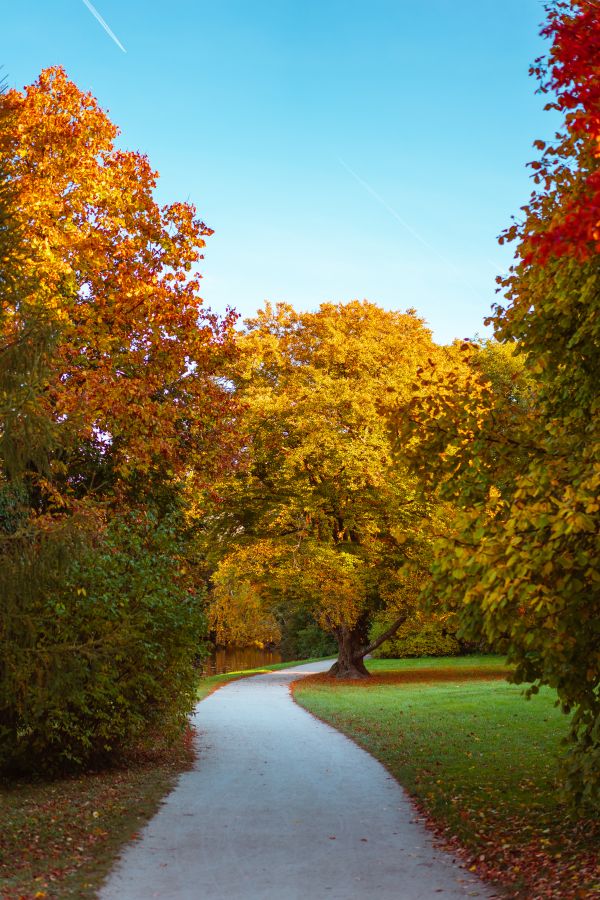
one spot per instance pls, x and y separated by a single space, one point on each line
282 807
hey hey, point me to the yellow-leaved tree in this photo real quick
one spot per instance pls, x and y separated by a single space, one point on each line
321 513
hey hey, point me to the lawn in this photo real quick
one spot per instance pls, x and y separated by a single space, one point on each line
209 683
60 838
480 762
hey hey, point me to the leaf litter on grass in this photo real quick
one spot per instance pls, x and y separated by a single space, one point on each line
480 763
59 838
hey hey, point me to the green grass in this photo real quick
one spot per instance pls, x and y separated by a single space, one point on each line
59 838
480 760
486 661
209 683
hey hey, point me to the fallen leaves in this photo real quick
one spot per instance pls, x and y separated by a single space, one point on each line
480 766
51 843
413 676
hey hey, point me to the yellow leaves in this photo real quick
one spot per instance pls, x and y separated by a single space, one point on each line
333 583
399 535
579 521
322 509
238 611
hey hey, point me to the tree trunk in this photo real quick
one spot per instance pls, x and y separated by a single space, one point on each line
353 647
350 663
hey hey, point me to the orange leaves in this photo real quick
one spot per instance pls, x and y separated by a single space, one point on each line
136 356
319 497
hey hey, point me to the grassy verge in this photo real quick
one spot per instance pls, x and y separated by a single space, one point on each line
60 838
208 684
480 761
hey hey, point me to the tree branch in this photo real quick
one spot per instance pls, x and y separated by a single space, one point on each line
382 637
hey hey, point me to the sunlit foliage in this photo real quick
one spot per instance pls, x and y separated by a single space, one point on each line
321 513
524 461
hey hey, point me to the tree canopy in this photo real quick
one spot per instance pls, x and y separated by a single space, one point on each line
320 511
136 353
524 462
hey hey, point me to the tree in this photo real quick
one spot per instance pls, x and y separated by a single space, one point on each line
318 513
525 463
112 410
133 373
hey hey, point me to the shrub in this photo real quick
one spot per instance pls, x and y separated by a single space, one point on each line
98 648
302 638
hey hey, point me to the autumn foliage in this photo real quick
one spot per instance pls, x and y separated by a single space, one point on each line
573 193
136 354
321 514
521 456
111 412
334 465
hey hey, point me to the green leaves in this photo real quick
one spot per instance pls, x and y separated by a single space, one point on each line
108 654
510 431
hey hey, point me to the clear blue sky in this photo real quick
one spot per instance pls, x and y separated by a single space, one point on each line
257 111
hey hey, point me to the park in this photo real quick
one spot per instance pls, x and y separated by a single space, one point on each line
300 596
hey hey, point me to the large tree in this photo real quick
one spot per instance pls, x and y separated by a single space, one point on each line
137 352
111 408
526 465
319 513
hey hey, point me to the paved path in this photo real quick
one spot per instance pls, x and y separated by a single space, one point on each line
282 807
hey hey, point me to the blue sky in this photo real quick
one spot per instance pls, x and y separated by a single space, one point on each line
339 149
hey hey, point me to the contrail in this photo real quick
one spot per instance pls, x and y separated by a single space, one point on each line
389 208
405 224
107 29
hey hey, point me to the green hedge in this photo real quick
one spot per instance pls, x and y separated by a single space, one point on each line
302 638
98 644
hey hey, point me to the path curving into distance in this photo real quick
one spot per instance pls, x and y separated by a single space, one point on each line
281 806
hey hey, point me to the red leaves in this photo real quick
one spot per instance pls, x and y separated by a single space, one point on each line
570 224
575 32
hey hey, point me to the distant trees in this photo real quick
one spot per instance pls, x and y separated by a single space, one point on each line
522 455
111 410
320 514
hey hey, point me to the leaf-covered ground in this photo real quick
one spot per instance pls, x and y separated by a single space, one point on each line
59 838
480 762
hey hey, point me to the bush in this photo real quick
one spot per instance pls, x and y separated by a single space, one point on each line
98 650
313 641
302 638
421 635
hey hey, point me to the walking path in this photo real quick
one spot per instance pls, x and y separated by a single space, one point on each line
282 807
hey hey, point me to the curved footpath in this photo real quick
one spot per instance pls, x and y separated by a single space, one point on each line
282 807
